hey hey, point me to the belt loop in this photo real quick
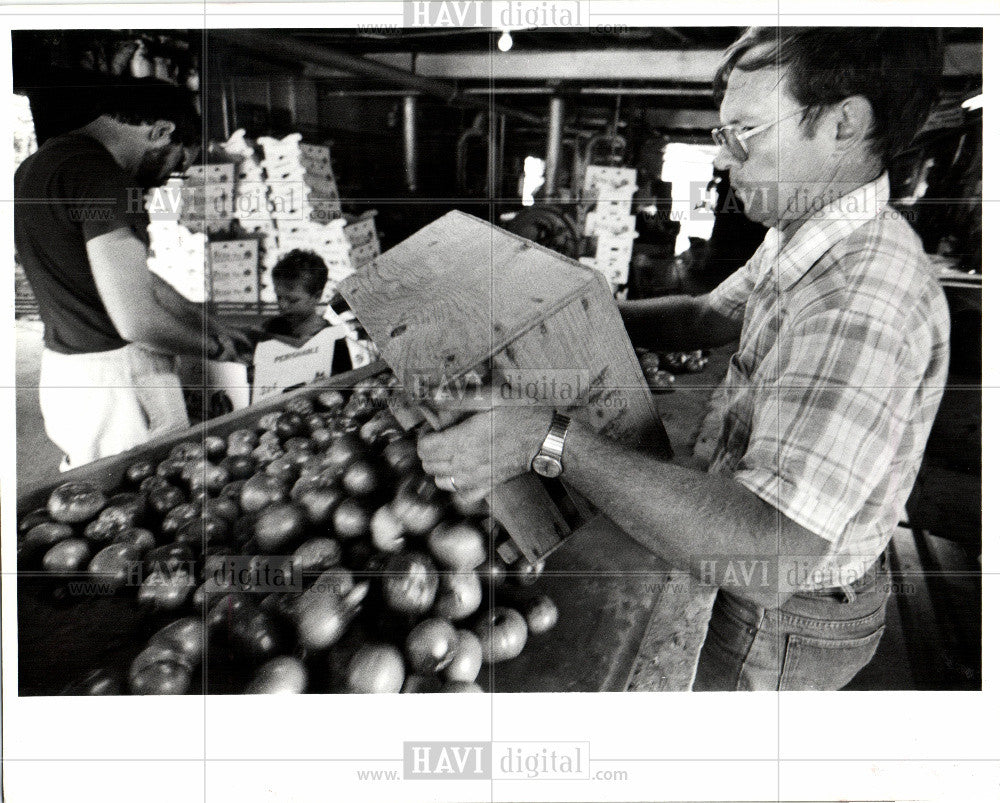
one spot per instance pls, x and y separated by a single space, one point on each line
849 594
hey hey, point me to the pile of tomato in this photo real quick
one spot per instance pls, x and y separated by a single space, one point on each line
306 553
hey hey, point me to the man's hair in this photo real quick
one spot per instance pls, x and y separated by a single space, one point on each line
898 70
138 101
305 267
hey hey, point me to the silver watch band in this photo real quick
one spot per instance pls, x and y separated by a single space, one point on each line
555 439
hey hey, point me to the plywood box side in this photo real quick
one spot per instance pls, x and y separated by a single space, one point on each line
457 291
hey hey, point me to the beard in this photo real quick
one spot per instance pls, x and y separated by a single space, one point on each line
156 165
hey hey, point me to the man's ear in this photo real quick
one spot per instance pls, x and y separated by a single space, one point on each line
160 133
855 118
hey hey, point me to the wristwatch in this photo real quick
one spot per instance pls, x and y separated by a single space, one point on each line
548 461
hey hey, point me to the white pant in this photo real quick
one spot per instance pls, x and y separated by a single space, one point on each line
102 403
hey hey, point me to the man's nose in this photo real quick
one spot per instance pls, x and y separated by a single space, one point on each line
723 160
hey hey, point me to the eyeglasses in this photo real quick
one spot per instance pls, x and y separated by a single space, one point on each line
735 141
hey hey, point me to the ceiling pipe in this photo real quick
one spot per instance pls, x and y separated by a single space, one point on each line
553 146
410 142
282 46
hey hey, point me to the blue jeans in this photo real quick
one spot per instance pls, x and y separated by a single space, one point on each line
816 640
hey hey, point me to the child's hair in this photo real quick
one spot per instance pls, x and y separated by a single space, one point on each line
302 266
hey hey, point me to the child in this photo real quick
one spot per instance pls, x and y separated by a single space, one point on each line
299 278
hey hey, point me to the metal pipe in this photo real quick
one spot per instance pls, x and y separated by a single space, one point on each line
501 146
410 142
554 145
281 46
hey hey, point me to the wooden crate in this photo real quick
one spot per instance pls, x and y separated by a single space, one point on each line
461 293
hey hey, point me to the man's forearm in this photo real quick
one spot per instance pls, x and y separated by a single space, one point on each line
184 310
688 517
676 323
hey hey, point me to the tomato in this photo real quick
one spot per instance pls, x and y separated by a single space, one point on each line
362 478
39 540
212 479
492 572
284 674
74 502
116 565
67 557
527 573
241 442
142 540
344 451
224 610
317 555
124 509
459 595
239 466
225 508
387 530
260 491
161 677
335 580
301 405
401 456
418 505
290 425
299 444
331 400
377 428
101 532
139 471
351 519
171 468
168 559
215 447
34 518
541 614
431 646
253 633
162 499
178 516
187 450
458 546
267 451
468 659
203 531
503 633
320 620
322 438
285 468
376 669
279 525
185 637
232 490
150 484
100 682
165 592
319 504
410 583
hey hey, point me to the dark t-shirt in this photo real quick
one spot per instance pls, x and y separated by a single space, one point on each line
68 192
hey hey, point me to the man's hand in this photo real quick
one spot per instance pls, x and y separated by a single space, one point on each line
487 449
235 347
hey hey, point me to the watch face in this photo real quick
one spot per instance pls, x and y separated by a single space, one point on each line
546 466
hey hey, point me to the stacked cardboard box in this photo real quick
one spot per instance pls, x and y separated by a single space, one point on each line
207 198
610 222
300 179
176 254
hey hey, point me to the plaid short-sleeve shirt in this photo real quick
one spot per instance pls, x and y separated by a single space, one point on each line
842 361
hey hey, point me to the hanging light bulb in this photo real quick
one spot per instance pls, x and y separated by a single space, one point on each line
505 42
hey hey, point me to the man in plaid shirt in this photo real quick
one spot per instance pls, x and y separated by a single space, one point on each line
829 399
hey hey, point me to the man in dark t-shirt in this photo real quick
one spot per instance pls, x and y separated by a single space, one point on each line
77 212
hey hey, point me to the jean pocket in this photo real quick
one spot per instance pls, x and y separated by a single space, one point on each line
825 664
